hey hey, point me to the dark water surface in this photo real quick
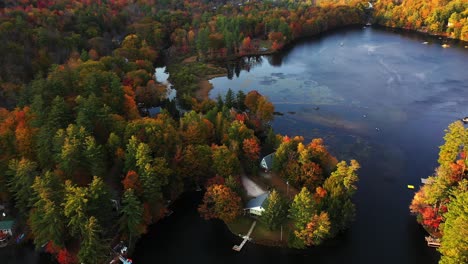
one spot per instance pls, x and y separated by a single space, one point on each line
384 99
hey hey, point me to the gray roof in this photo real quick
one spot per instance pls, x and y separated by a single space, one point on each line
6 224
257 201
268 160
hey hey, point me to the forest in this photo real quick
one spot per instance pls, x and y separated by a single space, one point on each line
442 17
441 203
84 166
77 79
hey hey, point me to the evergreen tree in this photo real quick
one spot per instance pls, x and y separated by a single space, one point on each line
93 156
22 173
240 101
229 99
131 220
153 177
46 219
99 204
302 208
59 115
130 154
454 245
275 211
75 208
92 247
340 187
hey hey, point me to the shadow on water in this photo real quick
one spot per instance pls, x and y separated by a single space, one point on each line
24 253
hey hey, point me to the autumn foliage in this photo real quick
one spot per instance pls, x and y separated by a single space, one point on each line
220 202
76 82
438 204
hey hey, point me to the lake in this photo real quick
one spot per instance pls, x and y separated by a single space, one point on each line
383 98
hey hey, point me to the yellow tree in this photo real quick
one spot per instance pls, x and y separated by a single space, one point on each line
315 231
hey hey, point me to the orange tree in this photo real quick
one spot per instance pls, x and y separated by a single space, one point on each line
220 202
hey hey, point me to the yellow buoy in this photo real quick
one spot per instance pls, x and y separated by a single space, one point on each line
410 186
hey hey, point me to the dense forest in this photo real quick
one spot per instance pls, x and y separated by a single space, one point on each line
83 166
441 205
444 17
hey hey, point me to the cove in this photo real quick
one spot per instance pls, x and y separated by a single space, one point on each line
384 99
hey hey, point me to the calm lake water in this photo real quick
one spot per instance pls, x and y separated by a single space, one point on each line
384 99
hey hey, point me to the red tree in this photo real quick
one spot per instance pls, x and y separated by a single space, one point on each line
251 148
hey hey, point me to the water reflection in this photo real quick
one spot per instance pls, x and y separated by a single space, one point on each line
243 64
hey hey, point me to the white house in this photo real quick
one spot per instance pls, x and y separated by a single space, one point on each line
255 206
267 162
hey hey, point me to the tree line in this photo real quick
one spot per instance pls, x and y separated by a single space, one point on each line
446 17
441 203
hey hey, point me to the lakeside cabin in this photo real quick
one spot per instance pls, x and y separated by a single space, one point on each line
255 206
267 162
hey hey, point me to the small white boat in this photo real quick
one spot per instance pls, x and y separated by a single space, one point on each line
425 43
445 46
368 24
465 120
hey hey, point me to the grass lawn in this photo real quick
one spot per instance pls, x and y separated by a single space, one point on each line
261 234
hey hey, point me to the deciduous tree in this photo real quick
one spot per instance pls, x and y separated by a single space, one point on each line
315 231
220 202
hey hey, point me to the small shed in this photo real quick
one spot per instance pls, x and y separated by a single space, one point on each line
267 162
7 227
255 206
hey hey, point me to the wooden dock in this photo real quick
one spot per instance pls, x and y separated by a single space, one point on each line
432 241
246 237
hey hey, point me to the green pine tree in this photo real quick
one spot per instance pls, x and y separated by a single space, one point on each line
132 216
21 177
302 208
275 211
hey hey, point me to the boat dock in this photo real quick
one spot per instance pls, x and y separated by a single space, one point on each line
246 237
432 241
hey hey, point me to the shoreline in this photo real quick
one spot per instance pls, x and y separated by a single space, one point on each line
440 36
205 86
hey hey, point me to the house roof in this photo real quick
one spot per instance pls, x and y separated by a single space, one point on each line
268 160
6 224
257 201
